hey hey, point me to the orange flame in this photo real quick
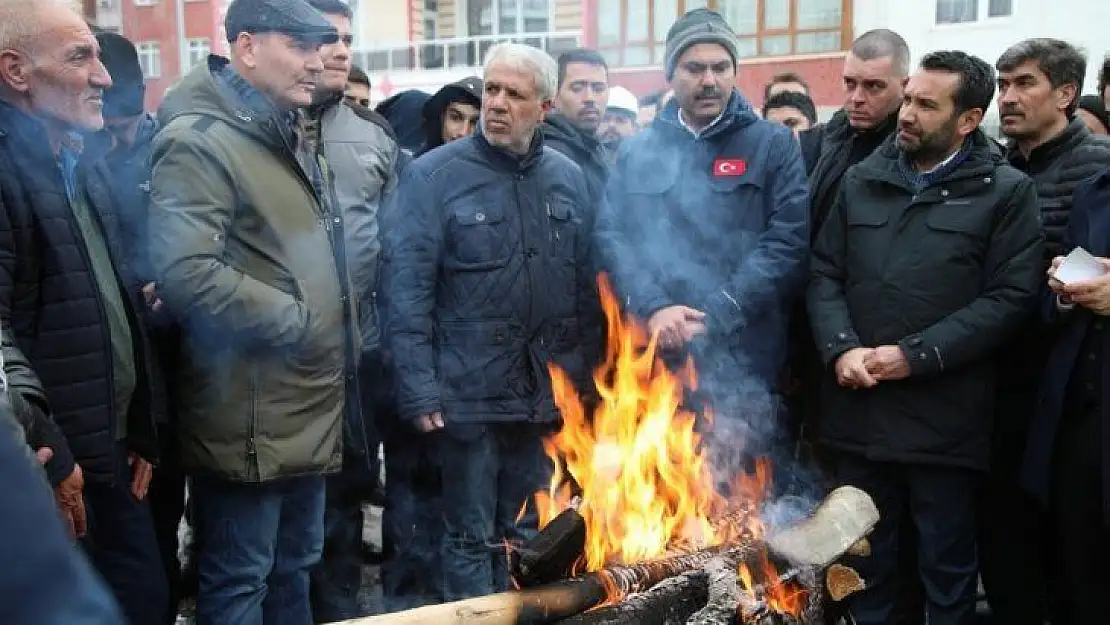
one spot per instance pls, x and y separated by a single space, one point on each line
781 597
645 484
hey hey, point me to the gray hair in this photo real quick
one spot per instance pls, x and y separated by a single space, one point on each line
20 25
880 44
529 59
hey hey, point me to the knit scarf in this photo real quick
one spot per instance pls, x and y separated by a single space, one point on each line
919 181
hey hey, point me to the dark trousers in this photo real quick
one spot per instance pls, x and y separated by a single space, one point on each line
258 543
1081 535
337 578
488 474
940 501
167 507
122 546
412 525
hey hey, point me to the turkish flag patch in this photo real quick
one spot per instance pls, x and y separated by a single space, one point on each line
729 167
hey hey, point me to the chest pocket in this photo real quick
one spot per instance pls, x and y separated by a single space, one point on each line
477 239
740 201
562 229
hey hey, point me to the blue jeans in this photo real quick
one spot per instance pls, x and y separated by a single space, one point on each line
488 473
122 545
258 543
411 523
338 576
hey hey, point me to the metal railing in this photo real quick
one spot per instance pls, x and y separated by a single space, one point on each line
462 52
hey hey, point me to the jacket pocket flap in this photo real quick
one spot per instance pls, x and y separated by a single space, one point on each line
652 182
728 184
868 216
944 219
478 216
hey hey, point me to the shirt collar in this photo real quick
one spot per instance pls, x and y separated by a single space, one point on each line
697 133
946 161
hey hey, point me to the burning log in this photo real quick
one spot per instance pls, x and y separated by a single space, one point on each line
842 520
552 554
724 594
842 581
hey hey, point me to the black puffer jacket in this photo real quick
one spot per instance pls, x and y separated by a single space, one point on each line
1057 167
487 278
50 300
584 149
947 274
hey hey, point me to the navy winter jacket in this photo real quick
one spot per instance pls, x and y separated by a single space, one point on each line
488 278
716 222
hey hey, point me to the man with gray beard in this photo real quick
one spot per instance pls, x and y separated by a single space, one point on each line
487 280
1039 82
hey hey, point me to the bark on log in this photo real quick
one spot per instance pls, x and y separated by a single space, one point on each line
724 594
670 602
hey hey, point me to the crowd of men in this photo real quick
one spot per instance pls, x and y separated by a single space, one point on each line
220 311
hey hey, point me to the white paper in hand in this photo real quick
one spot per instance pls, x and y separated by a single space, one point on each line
1079 266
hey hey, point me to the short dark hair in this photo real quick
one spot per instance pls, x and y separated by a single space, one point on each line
1104 76
784 78
976 86
580 55
792 99
880 44
357 76
333 7
1061 62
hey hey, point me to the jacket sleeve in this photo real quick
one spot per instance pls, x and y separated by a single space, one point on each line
191 213
590 316
772 274
1013 272
825 298
412 253
636 287
28 398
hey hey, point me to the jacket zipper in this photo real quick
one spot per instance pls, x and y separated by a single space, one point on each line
253 471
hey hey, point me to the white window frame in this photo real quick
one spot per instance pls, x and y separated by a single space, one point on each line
193 47
152 52
982 14
145 3
461 25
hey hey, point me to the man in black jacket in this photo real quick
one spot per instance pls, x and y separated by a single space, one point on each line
579 108
487 279
929 262
1039 84
69 297
452 113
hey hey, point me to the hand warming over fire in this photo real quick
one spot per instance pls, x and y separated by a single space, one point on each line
887 363
852 370
676 325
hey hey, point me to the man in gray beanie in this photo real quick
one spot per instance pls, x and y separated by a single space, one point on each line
705 231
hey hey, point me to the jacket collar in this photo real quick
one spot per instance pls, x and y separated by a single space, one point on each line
1071 136
738 113
559 125
883 165
507 161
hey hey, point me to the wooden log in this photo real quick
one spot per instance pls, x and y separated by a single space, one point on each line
723 595
552 554
845 517
670 602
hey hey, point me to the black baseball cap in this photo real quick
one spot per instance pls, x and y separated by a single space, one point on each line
295 18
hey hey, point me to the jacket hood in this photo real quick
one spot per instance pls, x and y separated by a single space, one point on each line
558 127
738 114
468 90
404 111
200 93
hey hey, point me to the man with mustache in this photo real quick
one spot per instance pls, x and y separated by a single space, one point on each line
1039 83
356 148
705 231
928 264
70 300
579 109
248 253
488 280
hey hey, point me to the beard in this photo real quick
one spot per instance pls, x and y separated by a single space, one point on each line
932 145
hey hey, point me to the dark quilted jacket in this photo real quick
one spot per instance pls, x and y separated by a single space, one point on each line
488 278
49 299
1057 167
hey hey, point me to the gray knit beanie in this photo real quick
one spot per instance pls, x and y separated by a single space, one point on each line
698 26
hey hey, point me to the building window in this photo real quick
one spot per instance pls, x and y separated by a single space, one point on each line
198 53
145 3
634 32
507 17
964 11
150 58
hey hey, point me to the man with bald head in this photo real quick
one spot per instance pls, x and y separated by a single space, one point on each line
71 302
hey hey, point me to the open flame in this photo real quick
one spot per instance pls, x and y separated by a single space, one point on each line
779 596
